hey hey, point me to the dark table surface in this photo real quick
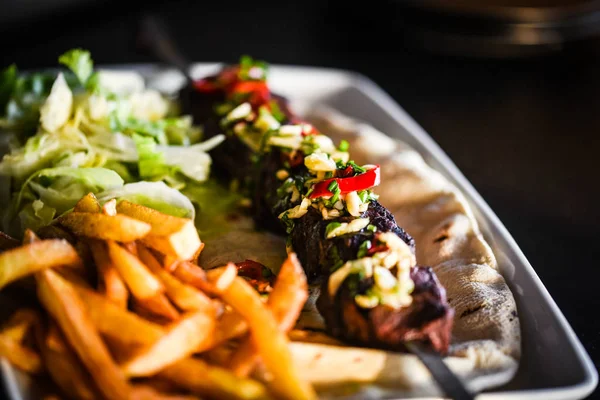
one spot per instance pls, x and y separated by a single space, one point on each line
525 132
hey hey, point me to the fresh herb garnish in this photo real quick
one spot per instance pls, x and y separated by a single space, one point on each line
344 145
289 224
371 228
357 168
363 249
283 189
276 111
80 63
330 227
333 186
251 69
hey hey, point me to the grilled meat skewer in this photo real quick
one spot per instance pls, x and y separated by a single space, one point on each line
302 185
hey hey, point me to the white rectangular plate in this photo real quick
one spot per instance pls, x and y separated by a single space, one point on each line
554 364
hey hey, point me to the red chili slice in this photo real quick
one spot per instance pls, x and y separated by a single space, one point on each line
259 91
377 249
366 180
206 86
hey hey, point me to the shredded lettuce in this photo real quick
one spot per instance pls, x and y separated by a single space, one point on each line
155 195
84 130
51 192
80 62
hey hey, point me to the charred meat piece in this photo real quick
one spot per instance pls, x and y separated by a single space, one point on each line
320 256
428 318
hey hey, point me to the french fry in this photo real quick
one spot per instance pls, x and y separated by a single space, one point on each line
184 296
231 325
147 392
196 256
180 341
170 235
17 354
28 259
270 342
13 334
192 274
7 242
29 237
206 380
88 203
19 323
157 308
117 323
112 284
286 300
63 303
119 228
63 366
221 278
135 274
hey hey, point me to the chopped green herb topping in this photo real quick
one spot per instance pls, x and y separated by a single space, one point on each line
357 168
371 228
251 69
363 249
333 187
344 145
330 227
276 111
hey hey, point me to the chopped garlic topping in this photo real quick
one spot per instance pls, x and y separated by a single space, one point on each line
324 143
353 204
364 265
319 162
266 122
57 108
291 142
365 301
406 257
290 130
240 112
330 213
342 156
298 211
349 227
384 279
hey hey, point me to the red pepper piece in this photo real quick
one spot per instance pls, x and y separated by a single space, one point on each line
366 180
377 249
259 92
206 86
310 131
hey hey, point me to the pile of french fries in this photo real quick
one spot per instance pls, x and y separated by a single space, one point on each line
121 310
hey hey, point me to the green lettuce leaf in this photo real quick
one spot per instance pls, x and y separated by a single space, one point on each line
80 62
51 192
157 195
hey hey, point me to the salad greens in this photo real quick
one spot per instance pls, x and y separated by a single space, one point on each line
79 130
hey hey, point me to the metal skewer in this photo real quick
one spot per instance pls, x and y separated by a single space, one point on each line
445 378
153 38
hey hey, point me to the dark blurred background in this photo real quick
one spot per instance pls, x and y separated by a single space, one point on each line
511 93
